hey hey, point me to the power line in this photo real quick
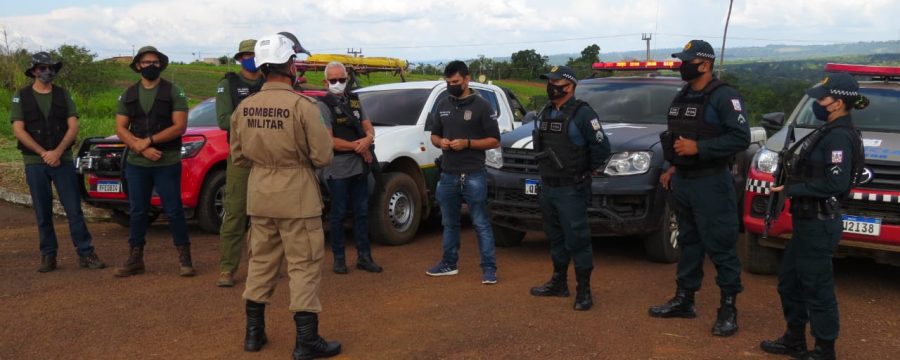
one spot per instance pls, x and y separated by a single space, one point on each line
424 46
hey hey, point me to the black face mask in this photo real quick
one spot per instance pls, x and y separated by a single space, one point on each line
556 91
689 71
455 90
820 112
151 72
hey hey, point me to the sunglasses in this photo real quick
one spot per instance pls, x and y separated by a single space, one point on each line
150 63
338 80
43 67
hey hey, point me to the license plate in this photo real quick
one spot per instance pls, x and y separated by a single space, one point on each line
531 186
109 186
862 225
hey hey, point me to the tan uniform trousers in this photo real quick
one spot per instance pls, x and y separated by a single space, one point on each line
302 243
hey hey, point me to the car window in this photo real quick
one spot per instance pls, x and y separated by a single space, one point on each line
491 97
394 107
203 114
881 114
633 102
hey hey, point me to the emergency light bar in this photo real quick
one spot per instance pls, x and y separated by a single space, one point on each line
866 70
637 65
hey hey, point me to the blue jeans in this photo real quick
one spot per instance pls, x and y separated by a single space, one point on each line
167 181
452 190
352 191
39 178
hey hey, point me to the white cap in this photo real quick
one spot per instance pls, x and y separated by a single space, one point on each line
273 49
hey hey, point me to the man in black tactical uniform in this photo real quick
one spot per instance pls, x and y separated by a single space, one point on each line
45 122
572 147
707 126
828 165
347 175
229 93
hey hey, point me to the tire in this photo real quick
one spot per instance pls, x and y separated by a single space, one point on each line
211 207
122 218
396 213
662 245
506 237
759 259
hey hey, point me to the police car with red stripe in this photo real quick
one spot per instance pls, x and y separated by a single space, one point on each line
627 199
871 212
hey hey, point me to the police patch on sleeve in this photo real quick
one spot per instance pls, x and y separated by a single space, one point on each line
16 100
736 104
595 124
599 136
835 170
837 156
220 90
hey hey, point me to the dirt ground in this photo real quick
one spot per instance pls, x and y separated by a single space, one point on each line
402 313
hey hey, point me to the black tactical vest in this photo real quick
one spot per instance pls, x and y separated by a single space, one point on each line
239 89
554 134
800 167
142 124
347 118
686 119
48 131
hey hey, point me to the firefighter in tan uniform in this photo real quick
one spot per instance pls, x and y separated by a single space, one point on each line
280 135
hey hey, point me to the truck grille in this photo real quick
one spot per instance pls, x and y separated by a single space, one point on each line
515 202
889 213
885 177
519 161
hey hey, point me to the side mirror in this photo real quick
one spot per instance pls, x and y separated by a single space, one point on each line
773 122
529 117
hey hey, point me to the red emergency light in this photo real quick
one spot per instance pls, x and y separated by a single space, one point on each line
866 70
637 65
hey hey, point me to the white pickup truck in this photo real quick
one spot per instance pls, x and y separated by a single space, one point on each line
403 147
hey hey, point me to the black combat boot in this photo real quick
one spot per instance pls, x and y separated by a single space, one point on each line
583 299
135 263
256 326
682 305
184 259
792 343
91 261
726 318
557 286
48 264
340 265
365 262
824 350
309 344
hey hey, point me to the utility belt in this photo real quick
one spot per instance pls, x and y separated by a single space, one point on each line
556 181
693 173
814 208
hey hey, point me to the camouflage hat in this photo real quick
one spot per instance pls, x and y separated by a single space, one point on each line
246 46
163 59
42 58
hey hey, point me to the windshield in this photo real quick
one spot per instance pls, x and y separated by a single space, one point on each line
394 107
204 114
633 102
882 114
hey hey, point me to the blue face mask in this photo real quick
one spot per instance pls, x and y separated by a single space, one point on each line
249 64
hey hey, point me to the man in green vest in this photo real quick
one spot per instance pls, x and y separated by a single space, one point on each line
45 122
229 92
150 120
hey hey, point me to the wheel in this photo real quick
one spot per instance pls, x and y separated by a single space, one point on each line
211 207
506 237
759 259
395 215
122 218
662 245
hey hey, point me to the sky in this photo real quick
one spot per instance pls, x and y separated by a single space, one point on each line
425 30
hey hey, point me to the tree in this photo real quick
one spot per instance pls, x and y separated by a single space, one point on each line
583 65
79 74
224 60
527 64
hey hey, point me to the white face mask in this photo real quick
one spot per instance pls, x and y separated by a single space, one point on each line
337 88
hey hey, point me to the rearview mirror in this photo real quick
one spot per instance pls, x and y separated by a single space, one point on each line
773 122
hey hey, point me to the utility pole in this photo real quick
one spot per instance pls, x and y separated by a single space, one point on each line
354 52
647 37
724 36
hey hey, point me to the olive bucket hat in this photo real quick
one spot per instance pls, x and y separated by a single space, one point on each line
246 46
42 58
163 59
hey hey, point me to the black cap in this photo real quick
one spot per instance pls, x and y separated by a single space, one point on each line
42 58
840 85
560 72
696 49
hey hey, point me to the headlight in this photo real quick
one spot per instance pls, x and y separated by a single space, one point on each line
494 158
766 161
190 146
628 163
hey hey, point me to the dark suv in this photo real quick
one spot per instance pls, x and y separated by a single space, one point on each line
626 198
